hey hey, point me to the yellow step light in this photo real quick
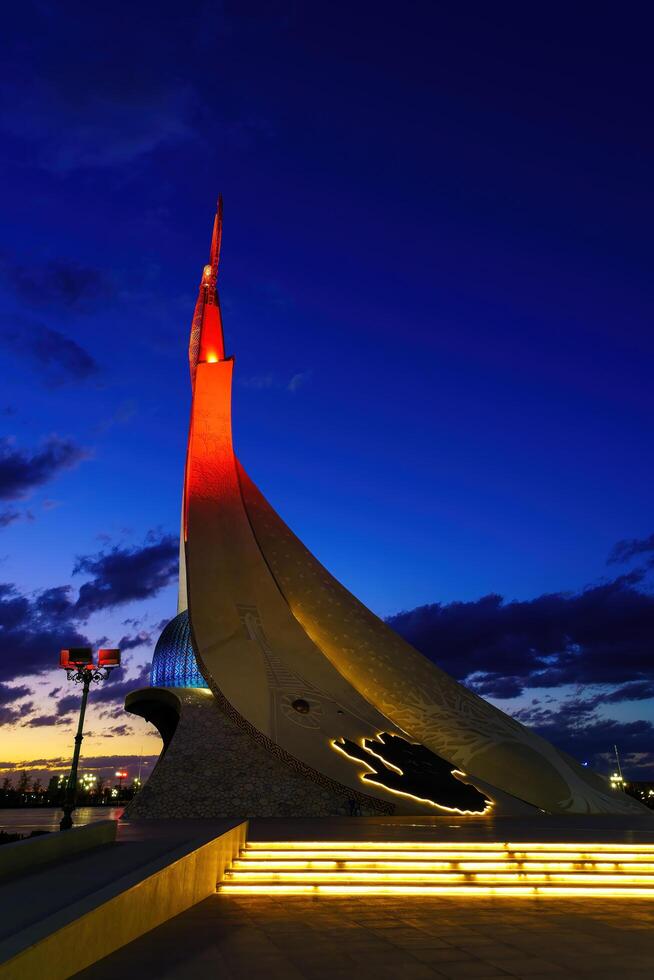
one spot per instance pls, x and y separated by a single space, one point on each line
351 854
327 845
507 891
367 877
428 866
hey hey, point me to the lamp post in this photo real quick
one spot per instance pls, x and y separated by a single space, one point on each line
120 775
80 668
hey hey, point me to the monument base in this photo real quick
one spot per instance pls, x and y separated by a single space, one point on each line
211 767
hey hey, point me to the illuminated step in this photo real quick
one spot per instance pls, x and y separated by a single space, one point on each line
470 877
441 868
568 891
350 853
330 845
254 864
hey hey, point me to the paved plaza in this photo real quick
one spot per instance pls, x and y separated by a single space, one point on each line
382 938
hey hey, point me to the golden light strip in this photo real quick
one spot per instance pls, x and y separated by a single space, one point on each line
463 855
507 891
329 845
490 865
368 878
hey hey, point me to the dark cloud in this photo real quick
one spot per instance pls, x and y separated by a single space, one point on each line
127 574
60 285
8 516
602 635
60 358
599 641
573 726
45 721
9 715
631 548
34 628
69 703
635 691
141 639
107 698
9 712
21 472
9 693
118 730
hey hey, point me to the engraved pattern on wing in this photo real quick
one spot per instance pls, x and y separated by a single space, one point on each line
285 685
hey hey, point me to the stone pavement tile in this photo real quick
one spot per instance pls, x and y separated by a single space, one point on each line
611 974
247 971
546 976
436 956
421 942
384 953
473 968
493 949
308 964
626 961
379 968
527 966
244 968
470 939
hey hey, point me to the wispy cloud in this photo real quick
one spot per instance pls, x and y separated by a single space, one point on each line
298 381
259 382
262 382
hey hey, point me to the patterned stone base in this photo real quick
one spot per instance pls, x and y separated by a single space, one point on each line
210 767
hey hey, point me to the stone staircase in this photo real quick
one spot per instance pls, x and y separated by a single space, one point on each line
441 868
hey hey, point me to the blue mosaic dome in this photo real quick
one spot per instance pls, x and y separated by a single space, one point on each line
173 662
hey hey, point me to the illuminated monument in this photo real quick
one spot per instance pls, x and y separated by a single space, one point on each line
278 693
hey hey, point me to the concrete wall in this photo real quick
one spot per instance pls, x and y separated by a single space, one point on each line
26 855
90 929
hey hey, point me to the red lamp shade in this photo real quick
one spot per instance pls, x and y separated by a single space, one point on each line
76 657
108 658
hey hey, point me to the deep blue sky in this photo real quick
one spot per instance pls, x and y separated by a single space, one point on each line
436 280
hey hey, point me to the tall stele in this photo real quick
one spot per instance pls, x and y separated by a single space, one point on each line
304 675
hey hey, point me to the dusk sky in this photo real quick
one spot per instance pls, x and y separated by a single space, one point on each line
436 281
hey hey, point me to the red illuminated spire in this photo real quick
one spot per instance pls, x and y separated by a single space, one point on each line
207 342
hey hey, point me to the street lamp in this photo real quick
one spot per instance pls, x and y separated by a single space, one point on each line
79 667
120 775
